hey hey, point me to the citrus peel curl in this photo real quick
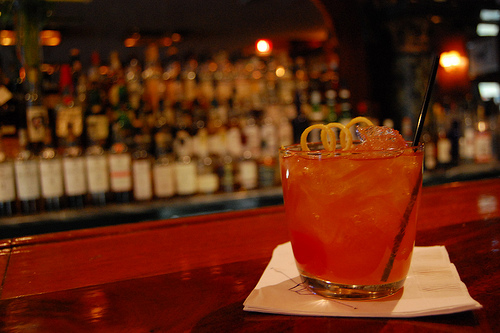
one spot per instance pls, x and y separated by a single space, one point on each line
328 138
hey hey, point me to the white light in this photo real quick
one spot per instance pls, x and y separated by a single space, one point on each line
487 29
489 15
489 90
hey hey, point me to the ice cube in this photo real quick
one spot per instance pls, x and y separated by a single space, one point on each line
380 138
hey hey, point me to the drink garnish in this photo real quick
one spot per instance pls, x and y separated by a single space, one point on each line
328 135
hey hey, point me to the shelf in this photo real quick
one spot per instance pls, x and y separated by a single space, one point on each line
114 214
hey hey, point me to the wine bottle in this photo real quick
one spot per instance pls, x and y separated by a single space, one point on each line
163 168
120 167
51 175
75 183
96 163
27 176
7 183
141 170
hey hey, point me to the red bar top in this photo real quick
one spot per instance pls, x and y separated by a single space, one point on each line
226 253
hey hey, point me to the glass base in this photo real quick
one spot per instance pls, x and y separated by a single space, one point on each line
348 291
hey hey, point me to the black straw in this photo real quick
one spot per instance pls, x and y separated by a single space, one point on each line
425 104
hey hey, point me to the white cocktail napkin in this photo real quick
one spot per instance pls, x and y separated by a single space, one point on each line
433 287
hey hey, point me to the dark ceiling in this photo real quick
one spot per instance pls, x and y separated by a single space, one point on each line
209 25
205 24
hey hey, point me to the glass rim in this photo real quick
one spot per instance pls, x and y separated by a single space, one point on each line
297 148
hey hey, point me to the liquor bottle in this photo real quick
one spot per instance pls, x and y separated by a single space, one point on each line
69 112
300 121
37 115
75 182
208 181
152 76
483 139
226 172
97 171
234 135
285 131
316 115
454 133
251 130
141 170
247 171
27 176
407 128
96 119
428 138
7 183
185 166
346 110
134 83
467 139
93 73
163 168
331 104
443 143
268 161
76 66
51 175
120 167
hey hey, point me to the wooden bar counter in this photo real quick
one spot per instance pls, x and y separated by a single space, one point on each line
192 274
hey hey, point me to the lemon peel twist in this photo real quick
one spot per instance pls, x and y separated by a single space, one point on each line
328 135
325 133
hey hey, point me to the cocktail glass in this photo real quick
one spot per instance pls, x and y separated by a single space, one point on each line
351 216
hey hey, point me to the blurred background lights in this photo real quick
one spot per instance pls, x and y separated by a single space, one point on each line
7 38
489 90
47 37
452 60
487 29
50 37
263 46
280 71
489 14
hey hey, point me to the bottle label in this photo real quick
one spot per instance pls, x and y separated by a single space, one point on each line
97 174
37 118
51 178
97 127
267 172
143 187
185 178
227 177
208 183
27 180
74 176
285 133
248 174
120 172
233 140
269 140
164 181
66 116
444 150
467 149
483 147
253 139
430 156
7 182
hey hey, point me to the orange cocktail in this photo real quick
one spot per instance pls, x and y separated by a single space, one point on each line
351 215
